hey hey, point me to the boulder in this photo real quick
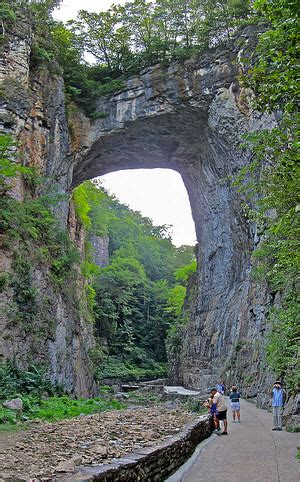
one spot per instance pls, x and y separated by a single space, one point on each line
14 404
291 414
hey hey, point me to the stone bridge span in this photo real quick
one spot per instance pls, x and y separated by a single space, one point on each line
190 117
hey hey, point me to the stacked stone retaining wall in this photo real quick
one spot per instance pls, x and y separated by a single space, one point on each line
150 464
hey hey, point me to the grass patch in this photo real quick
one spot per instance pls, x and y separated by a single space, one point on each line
58 408
293 430
7 416
41 400
11 427
53 409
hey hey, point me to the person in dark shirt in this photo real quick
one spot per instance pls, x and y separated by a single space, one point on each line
235 404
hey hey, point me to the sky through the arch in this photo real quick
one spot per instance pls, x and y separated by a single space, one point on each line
157 193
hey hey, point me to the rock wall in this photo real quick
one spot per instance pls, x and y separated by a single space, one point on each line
100 246
189 117
33 111
154 463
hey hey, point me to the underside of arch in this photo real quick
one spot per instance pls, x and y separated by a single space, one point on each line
186 142
190 117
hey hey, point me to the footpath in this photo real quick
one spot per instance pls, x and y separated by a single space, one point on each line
251 452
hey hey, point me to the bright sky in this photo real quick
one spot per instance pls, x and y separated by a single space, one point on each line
157 193
69 8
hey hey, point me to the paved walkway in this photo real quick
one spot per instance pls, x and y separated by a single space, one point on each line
180 391
250 453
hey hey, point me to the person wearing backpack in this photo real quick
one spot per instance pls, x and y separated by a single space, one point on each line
221 388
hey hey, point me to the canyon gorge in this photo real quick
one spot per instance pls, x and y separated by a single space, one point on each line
190 117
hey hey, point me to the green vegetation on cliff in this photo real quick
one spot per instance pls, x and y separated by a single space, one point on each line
273 186
136 297
133 301
33 235
123 39
140 293
41 399
9 167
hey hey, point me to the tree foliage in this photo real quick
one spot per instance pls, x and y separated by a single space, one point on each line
123 39
275 74
142 33
137 295
272 181
141 292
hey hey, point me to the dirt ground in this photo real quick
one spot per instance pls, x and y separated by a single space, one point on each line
51 449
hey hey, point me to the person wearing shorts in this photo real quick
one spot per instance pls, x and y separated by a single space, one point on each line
235 404
221 411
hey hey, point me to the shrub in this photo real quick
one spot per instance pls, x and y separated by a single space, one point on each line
41 399
15 381
9 168
117 368
7 416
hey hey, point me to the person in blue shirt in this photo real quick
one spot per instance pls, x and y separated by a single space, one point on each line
278 400
221 387
212 409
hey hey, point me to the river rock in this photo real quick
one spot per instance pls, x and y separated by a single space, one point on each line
69 465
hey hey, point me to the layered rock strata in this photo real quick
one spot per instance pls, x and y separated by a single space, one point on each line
33 112
189 117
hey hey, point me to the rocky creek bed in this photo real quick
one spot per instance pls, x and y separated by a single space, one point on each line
49 450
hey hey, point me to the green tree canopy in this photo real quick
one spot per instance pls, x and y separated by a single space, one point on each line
141 292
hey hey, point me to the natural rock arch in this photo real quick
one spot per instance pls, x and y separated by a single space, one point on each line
189 117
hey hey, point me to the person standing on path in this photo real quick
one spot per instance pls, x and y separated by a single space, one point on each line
235 404
221 387
221 413
278 400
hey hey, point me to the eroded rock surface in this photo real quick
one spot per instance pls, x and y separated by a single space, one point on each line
189 117
33 111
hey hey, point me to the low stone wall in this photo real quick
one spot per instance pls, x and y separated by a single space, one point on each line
150 464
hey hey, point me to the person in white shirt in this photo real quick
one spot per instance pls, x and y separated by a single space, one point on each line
221 411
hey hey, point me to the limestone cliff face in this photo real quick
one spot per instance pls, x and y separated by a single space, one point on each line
188 117
100 246
34 113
